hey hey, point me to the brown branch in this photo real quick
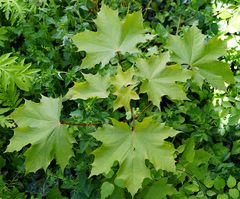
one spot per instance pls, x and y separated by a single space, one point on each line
81 124
119 58
145 108
133 119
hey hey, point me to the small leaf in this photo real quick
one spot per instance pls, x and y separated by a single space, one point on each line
192 188
94 86
234 193
124 96
231 182
219 183
160 190
222 196
210 193
106 189
54 193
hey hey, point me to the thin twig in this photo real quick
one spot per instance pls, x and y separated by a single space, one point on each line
145 108
133 119
178 25
119 58
147 7
81 124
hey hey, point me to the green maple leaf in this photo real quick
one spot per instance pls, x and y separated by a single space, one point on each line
113 35
123 79
201 57
94 86
131 148
124 84
124 96
39 125
158 79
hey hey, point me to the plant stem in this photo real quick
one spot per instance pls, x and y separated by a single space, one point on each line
81 124
178 25
145 108
119 58
133 119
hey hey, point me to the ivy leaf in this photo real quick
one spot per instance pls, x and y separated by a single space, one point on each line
131 148
201 57
124 96
94 86
112 36
158 79
39 125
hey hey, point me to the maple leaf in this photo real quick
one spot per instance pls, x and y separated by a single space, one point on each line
39 125
94 86
113 35
158 79
131 148
201 57
124 84
124 96
123 79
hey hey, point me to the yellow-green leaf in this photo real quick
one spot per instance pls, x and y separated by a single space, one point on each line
39 125
131 147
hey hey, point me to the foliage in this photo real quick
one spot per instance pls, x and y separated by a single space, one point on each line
149 110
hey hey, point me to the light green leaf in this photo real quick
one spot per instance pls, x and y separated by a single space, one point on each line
160 190
123 79
107 189
17 73
131 148
94 86
201 57
192 188
112 36
231 182
219 183
189 152
234 193
15 10
124 96
160 79
39 125
222 196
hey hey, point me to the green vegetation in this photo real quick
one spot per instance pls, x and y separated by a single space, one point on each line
119 99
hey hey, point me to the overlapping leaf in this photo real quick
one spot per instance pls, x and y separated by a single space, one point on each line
94 86
113 35
39 125
124 88
131 148
201 57
158 79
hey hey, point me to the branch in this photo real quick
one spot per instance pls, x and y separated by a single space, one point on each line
119 58
145 108
81 124
133 119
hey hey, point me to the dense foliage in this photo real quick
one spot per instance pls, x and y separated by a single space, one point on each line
119 99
